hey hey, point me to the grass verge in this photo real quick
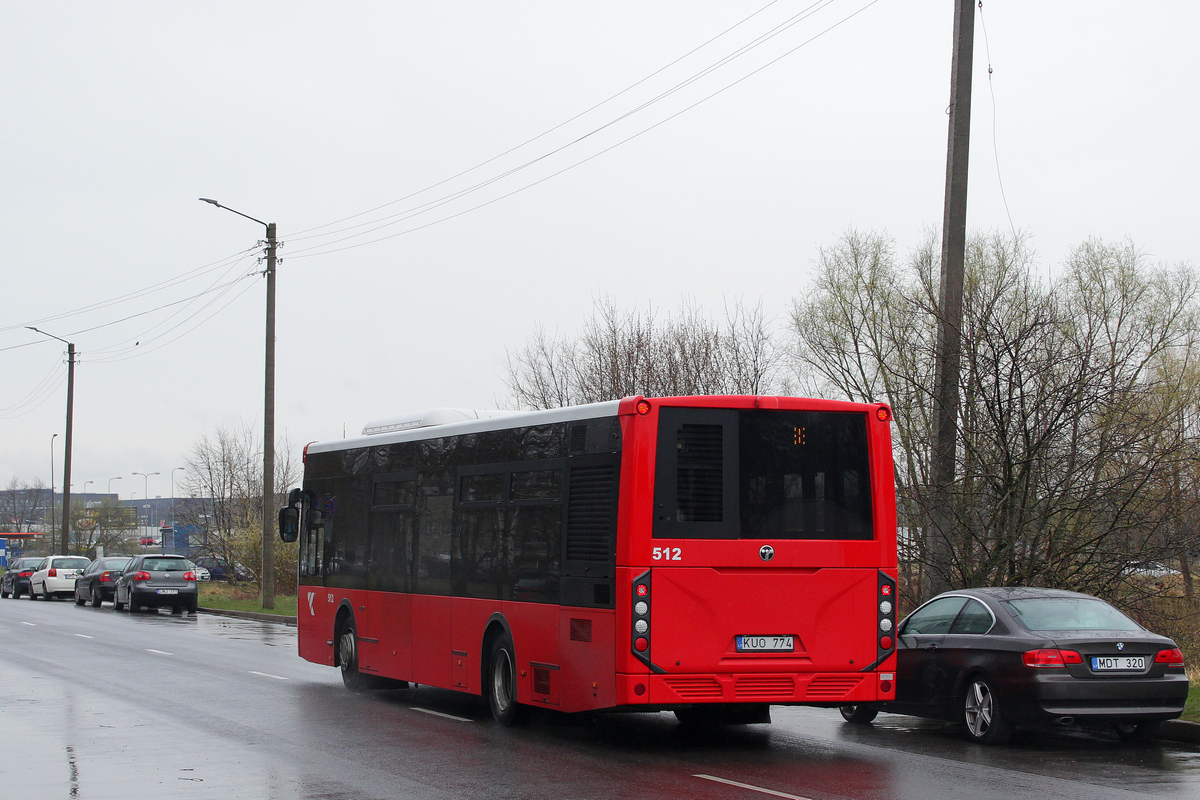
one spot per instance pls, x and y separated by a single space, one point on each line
243 597
1191 711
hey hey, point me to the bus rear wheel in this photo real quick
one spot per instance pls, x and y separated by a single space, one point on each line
500 682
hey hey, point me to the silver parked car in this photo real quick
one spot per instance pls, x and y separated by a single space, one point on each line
155 581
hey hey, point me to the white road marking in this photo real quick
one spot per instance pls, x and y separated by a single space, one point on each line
30 624
160 652
83 636
771 792
268 675
440 714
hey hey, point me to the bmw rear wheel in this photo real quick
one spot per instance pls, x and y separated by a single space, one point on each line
1139 731
982 717
96 598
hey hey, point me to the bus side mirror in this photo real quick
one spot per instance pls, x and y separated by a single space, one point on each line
289 523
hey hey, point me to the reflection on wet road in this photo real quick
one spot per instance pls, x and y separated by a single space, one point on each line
99 704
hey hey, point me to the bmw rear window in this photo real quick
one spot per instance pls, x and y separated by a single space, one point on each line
1070 614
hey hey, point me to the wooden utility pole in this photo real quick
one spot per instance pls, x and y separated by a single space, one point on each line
949 342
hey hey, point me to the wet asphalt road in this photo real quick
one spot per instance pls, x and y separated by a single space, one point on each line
102 704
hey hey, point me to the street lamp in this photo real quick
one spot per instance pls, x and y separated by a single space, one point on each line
52 438
66 525
110 480
147 488
173 471
268 501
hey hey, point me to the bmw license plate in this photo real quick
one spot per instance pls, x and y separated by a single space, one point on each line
765 644
167 591
1116 663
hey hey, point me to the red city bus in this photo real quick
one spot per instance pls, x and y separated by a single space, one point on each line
706 555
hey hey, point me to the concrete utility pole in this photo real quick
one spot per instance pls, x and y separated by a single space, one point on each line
65 544
268 496
949 342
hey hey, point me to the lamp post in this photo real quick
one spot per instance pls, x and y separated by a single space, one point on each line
268 499
66 524
147 488
52 438
173 471
110 480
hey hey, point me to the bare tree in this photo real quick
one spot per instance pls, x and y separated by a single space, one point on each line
1073 437
223 480
623 353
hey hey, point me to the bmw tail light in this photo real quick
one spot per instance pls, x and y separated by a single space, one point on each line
52 573
24 574
1050 658
1172 657
106 577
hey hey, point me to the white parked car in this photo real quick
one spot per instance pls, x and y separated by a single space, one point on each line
55 576
201 573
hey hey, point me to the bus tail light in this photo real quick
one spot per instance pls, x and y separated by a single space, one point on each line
883 413
639 623
886 612
643 407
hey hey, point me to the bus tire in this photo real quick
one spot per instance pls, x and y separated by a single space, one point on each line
347 644
859 713
500 681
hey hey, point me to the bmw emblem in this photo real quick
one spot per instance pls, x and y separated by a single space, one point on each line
1120 645
766 552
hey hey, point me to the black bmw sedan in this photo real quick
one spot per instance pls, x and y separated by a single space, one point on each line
997 658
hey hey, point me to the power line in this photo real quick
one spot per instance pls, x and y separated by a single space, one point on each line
318 250
995 148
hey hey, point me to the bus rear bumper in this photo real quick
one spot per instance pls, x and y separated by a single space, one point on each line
814 688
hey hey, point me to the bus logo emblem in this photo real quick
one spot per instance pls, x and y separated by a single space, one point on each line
766 552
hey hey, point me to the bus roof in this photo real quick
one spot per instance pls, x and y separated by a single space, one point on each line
440 422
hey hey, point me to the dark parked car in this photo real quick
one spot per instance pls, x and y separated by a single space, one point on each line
219 569
155 581
96 583
999 658
16 579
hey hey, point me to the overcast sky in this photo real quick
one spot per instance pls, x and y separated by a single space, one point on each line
714 171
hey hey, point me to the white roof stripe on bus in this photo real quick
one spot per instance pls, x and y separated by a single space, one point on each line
517 420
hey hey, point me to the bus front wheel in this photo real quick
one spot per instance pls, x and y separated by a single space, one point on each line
500 685
347 644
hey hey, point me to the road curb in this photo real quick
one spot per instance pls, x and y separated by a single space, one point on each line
278 619
1178 730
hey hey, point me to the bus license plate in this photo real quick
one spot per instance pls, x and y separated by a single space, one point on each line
765 644
168 591
1106 663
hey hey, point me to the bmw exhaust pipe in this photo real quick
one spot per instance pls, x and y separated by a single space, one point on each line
1065 721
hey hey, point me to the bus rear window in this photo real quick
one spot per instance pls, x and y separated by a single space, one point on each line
757 474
